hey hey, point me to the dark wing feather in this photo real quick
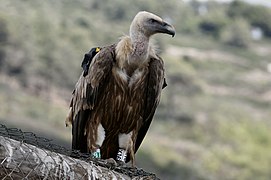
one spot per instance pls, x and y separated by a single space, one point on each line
79 139
88 58
154 87
85 95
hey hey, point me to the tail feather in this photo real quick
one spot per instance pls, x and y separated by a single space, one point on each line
79 138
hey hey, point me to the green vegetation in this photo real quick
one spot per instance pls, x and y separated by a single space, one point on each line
213 121
255 15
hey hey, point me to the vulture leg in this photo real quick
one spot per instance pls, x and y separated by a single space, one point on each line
126 147
96 152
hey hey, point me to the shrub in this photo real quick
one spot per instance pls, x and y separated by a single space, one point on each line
237 34
258 16
214 23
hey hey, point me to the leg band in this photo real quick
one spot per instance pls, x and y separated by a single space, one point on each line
96 154
121 156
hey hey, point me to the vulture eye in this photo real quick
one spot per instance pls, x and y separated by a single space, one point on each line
153 20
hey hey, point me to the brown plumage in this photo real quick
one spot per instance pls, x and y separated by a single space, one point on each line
113 105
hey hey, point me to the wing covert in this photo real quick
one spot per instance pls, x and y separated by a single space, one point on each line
156 82
85 94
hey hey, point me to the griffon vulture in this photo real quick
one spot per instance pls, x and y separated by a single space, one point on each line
116 96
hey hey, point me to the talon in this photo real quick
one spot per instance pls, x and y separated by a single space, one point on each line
111 162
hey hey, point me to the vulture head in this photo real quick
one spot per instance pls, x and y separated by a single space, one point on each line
135 50
148 24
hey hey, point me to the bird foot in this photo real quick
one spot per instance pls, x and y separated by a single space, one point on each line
111 162
125 165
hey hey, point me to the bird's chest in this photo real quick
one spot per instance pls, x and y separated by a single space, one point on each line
124 100
130 80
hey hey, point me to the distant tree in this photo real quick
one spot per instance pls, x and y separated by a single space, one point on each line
214 23
187 20
237 8
237 34
256 15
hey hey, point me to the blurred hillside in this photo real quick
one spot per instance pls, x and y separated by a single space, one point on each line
214 118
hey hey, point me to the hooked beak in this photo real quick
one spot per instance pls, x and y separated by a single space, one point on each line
167 29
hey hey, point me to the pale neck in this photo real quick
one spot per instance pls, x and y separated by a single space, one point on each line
140 44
